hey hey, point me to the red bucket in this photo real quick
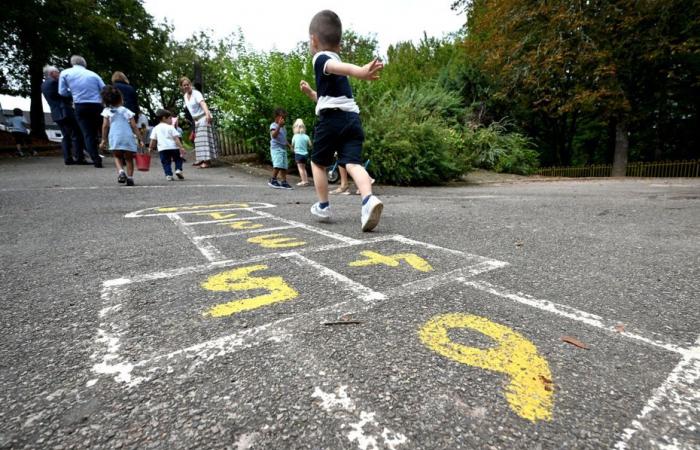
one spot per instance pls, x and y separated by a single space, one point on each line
143 162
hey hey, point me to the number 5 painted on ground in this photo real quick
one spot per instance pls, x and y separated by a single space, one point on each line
529 392
241 280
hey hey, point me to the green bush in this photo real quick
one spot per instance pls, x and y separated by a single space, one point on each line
495 148
413 136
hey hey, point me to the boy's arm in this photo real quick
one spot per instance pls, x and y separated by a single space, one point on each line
105 130
152 145
178 141
306 89
369 71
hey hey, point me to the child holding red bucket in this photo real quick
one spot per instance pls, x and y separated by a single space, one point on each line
166 138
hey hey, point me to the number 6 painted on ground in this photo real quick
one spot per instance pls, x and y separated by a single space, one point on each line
241 280
529 392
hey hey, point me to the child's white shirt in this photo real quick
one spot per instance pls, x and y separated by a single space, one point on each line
165 136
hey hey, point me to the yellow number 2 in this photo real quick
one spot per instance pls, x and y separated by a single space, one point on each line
529 392
241 280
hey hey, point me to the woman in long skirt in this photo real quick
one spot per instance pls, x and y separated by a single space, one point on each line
204 141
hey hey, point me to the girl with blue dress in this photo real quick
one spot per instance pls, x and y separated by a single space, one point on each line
119 125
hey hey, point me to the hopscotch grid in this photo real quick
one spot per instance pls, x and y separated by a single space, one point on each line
366 299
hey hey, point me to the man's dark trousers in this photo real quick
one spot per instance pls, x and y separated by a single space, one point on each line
90 120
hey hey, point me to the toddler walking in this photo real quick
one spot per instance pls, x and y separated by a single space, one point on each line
339 127
278 151
166 138
120 127
301 144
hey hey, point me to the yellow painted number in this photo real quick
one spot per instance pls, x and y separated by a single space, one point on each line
276 241
219 215
374 258
241 280
243 225
529 392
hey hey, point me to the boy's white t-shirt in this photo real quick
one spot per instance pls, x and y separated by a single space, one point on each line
165 136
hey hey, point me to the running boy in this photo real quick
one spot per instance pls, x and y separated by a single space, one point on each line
278 151
167 139
338 127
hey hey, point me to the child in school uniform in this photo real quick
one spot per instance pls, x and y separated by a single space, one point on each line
167 139
119 126
338 127
301 144
278 151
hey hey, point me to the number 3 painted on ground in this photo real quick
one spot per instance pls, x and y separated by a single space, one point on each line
529 392
241 280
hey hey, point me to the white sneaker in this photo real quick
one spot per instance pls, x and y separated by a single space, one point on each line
371 212
169 177
323 214
178 173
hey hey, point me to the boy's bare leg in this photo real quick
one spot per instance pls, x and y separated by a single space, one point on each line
320 182
362 179
283 174
275 172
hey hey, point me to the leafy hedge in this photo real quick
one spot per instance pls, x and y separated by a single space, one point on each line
495 148
413 136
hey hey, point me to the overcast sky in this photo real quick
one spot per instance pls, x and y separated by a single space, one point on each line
269 24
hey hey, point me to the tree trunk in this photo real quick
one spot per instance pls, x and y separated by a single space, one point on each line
36 112
621 150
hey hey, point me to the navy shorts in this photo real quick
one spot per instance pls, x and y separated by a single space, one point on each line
301 159
338 131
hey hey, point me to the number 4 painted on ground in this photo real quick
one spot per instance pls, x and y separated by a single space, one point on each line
375 258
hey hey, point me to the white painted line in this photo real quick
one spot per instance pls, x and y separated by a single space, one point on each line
674 408
240 233
363 292
339 404
206 248
313 229
568 312
222 221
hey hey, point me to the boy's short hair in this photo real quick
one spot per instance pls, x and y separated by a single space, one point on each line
17 112
280 112
327 28
111 95
161 113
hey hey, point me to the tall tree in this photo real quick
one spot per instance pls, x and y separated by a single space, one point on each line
625 61
111 35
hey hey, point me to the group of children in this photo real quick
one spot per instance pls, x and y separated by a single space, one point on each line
338 130
120 132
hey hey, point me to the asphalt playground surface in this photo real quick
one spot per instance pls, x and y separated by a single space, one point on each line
215 312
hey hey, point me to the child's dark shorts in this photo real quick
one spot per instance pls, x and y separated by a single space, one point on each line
338 131
300 158
21 138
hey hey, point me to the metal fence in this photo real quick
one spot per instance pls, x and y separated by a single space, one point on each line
230 145
636 169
